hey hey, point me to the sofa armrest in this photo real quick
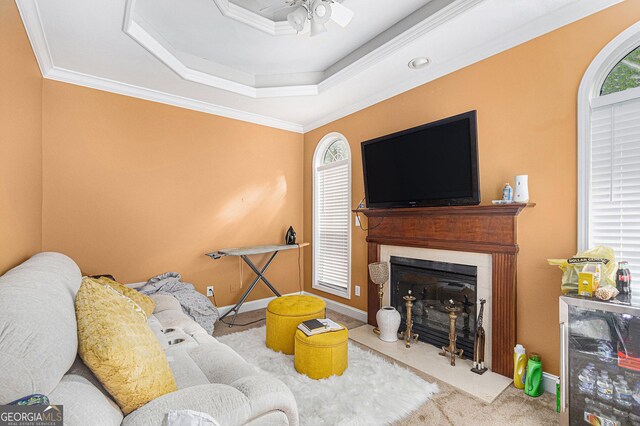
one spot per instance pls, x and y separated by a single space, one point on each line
224 403
266 394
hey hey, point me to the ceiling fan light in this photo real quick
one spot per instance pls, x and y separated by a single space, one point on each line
317 28
297 18
320 11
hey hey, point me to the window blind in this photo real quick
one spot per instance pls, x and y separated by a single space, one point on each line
614 208
333 217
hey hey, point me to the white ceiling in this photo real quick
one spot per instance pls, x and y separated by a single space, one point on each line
218 57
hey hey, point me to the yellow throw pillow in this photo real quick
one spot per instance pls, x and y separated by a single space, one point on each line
116 343
145 302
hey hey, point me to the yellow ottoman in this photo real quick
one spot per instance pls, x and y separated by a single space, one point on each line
284 314
322 355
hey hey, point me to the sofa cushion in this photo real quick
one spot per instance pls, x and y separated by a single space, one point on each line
220 363
83 402
224 403
165 302
116 343
144 301
185 370
38 337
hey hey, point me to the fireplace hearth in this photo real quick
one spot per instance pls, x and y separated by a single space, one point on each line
434 284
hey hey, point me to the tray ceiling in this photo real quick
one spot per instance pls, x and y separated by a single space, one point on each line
226 57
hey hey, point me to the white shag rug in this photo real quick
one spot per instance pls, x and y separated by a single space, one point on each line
372 391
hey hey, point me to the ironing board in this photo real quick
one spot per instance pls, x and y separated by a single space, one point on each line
244 253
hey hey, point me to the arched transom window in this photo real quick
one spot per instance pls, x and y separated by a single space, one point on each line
625 75
332 216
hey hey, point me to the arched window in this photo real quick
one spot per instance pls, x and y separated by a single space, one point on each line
609 151
332 216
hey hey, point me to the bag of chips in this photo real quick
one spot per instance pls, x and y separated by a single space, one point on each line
573 266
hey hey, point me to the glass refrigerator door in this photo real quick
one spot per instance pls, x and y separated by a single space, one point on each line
602 356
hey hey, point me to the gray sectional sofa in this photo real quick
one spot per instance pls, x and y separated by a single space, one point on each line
38 354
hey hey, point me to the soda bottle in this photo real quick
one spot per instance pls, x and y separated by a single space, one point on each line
628 276
623 278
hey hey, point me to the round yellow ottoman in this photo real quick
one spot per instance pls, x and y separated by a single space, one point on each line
284 314
322 355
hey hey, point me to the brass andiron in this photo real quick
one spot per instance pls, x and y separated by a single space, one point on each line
379 273
478 344
407 334
452 350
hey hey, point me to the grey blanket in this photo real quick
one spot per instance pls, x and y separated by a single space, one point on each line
194 304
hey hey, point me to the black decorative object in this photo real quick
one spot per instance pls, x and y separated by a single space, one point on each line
478 352
290 237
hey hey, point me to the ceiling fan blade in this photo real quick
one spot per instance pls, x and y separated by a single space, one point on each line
340 14
275 7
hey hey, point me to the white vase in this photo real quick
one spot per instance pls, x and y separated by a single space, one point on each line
388 323
521 190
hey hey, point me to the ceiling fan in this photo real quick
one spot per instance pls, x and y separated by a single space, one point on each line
317 12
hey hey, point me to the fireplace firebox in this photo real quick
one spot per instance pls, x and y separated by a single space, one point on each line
433 284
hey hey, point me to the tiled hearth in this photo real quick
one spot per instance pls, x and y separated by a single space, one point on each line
424 357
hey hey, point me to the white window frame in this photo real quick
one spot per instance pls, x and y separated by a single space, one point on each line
318 156
588 99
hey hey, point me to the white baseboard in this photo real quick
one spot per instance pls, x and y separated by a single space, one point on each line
549 382
342 308
252 305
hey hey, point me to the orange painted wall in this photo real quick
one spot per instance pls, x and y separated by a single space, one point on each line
136 188
526 100
20 142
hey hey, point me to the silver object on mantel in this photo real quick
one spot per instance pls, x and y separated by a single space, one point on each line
407 335
379 274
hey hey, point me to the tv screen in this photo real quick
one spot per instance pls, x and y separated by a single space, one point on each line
430 165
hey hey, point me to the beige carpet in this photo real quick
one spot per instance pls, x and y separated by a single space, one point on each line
449 406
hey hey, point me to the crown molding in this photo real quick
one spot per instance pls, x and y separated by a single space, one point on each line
522 35
107 85
30 14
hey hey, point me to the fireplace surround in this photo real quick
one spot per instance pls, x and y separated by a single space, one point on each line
486 229
433 284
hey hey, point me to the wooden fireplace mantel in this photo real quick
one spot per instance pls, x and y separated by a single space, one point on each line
488 229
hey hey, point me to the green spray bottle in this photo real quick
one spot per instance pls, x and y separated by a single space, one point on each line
533 382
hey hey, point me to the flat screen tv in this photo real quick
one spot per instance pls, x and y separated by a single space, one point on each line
434 164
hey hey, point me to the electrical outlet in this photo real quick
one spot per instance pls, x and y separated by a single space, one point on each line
209 291
358 221
357 290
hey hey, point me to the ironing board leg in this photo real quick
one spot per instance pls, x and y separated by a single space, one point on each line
259 276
